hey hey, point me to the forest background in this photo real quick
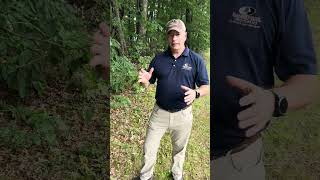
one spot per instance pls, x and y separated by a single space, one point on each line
54 116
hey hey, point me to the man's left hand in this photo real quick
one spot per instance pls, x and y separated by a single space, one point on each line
190 94
261 101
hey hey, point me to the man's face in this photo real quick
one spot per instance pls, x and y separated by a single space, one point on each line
176 39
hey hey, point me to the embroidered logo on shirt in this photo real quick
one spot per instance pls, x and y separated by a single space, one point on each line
246 17
187 67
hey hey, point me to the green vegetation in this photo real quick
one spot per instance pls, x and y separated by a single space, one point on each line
292 144
37 35
52 104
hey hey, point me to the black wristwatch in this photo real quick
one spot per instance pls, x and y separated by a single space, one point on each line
280 105
197 94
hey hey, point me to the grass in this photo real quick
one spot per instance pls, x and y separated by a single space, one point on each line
292 145
128 129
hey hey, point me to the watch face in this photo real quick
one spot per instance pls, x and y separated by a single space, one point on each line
283 105
197 94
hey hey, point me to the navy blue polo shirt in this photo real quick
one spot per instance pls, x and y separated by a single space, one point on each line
188 69
253 40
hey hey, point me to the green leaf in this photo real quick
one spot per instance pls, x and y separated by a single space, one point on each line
38 85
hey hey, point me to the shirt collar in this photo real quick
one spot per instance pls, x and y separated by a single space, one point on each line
184 53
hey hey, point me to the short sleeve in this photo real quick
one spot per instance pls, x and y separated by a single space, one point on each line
202 74
153 77
295 47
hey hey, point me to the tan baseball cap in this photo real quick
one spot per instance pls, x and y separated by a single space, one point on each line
177 25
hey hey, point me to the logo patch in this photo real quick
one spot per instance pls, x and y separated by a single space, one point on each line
246 17
247 11
187 67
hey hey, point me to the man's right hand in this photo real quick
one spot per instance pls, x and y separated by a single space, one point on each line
256 117
145 76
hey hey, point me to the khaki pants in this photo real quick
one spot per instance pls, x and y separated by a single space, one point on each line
179 125
244 165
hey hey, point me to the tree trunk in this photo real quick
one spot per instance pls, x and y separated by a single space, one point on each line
188 24
144 16
142 11
118 27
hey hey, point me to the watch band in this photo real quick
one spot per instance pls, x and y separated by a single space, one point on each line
276 106
197 94
280 105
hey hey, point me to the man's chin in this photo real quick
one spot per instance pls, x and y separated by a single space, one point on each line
175 48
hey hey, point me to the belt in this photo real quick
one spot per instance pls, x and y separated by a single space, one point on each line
240 147
173 110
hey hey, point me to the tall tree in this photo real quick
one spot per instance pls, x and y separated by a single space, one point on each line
142 12
118 26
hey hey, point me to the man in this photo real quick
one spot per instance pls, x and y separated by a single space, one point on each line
177 71
252 40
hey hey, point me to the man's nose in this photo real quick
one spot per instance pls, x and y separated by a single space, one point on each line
174 37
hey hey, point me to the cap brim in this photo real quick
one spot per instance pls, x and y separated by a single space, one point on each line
174 29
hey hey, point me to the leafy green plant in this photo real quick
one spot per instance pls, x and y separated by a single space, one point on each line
123 72
120 101
32 128
39 40
144 62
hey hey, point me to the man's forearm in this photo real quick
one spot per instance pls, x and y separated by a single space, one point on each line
204 90
300 90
